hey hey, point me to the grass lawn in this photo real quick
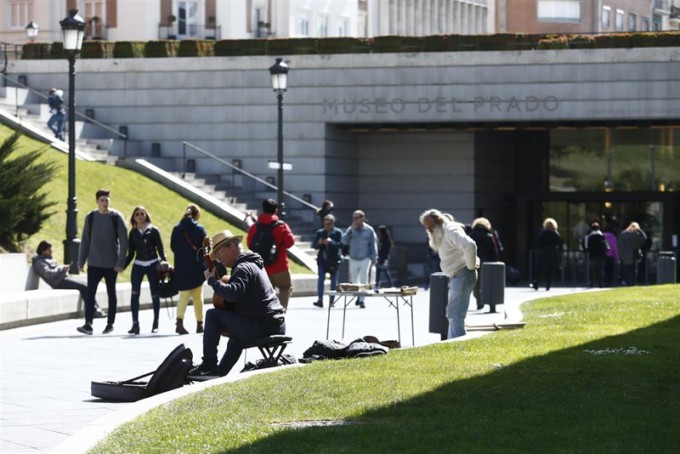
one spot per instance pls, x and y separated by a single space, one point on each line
592 372
128 189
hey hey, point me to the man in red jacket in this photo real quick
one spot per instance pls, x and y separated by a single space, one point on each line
279 271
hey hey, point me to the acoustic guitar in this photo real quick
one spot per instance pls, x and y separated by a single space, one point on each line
217 300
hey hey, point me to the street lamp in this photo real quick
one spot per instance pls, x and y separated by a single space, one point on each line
279 73
32 30
73 28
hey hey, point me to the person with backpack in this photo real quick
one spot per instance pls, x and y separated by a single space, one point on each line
103 247
271 238
58 113
596 245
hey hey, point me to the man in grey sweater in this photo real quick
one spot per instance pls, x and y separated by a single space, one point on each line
103 247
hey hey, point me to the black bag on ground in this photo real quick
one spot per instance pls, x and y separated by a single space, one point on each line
171 374
263 242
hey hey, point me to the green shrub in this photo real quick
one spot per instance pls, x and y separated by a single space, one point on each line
35 51
506 41
581 42
97 49
618 40
436 43
463 42
129 49
57 50
238 47
335 45
668 39
558 42
383 44
196 48
298 46
161 48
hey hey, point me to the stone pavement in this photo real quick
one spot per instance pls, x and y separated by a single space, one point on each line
46 370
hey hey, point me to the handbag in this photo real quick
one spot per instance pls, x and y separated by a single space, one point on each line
166 280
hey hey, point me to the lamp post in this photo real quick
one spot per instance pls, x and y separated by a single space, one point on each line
73 28
279 73
32 30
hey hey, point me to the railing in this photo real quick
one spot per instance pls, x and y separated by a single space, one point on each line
239 170
86 118
189 32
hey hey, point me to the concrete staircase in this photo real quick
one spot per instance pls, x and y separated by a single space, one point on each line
32 110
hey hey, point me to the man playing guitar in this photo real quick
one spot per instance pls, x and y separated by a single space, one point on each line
254 312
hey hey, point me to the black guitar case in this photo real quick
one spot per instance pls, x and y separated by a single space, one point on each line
171 374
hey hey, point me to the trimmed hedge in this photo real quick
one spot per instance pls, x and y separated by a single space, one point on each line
196 48
343 45
129 49
161 49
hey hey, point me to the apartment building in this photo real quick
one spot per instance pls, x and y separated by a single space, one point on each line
579 16
143 20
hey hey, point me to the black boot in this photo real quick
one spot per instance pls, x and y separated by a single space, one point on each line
134 329
154 327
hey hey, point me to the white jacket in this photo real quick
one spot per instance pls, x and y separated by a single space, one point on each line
457 250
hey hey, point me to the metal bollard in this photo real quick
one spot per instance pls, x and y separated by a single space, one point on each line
439 298
493 284
665 268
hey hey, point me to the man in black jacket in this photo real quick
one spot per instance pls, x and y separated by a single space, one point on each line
254 309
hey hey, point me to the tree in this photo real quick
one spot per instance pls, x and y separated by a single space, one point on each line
23 205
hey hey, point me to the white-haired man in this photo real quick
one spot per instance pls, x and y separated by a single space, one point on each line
458 254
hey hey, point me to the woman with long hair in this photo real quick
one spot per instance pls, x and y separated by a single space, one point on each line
145 247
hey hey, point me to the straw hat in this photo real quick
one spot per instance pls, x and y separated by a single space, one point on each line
224 238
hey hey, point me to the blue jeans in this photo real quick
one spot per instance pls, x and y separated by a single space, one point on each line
57 118
460 288
321 270
136 276
240 330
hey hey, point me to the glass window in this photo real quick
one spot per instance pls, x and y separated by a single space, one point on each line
20 13
303 26
646 24
606 17
559 10
632 22
323 27
611 159
619 20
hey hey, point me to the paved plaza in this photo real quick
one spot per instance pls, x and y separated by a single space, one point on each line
46 370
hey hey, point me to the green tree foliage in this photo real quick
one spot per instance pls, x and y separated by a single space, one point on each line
23 204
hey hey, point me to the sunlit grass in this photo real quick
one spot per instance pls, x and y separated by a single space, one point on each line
598 371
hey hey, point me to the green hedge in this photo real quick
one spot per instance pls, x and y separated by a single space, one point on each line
196 48
380 44
129 49
161 49
97 49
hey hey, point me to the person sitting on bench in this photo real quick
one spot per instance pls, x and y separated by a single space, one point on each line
254 310
56 275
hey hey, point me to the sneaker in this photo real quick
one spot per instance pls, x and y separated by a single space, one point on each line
204 372
85 329
99 314
361 305
318 303
108 329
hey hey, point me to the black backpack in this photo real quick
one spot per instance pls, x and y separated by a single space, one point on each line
263 242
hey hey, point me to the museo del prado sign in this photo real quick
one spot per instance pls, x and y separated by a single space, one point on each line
478 104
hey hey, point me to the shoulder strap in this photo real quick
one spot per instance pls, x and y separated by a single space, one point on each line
184 232
114 221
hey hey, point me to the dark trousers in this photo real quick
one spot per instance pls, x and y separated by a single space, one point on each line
136 276
94 276
71 284
240 330
596 265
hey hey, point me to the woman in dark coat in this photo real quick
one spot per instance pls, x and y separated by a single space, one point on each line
549 249
486 251
185 241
